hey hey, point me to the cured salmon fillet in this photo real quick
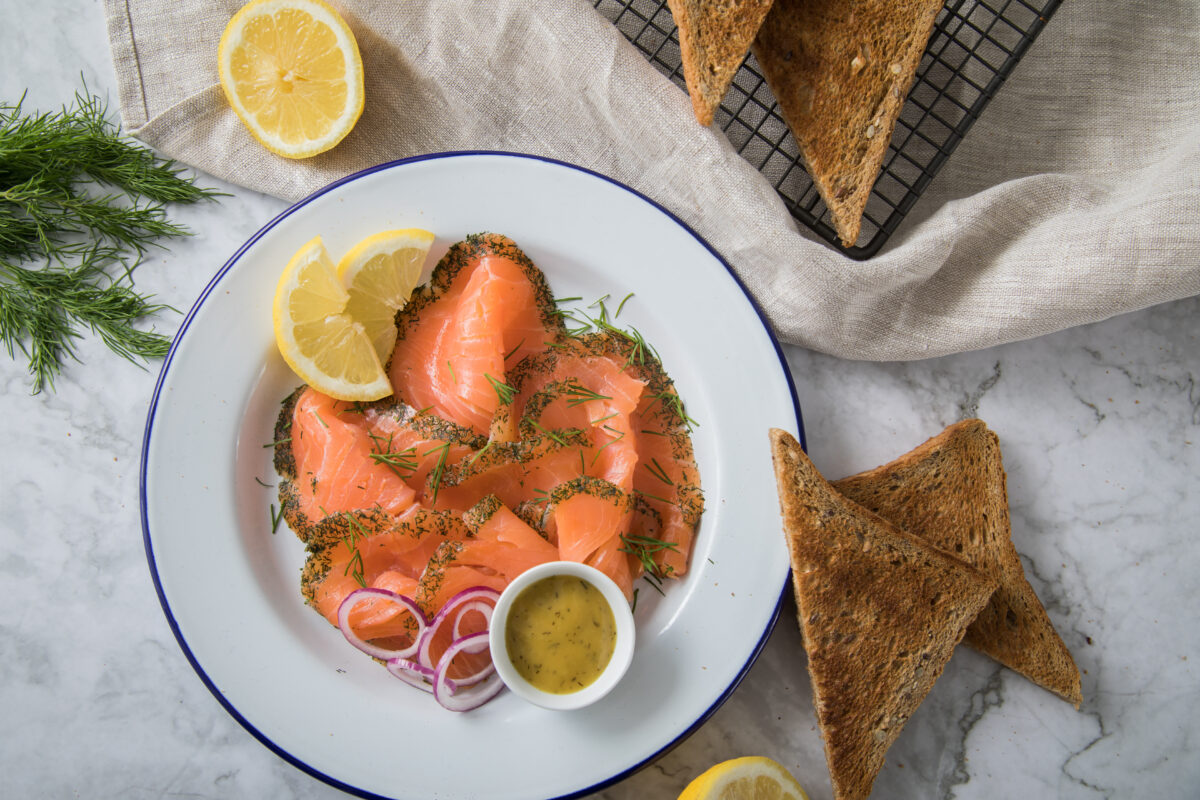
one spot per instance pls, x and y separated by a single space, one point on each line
337 457
507 443
485 308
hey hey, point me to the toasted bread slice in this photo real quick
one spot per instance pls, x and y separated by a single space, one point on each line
951 492
714 37
880 612
840 71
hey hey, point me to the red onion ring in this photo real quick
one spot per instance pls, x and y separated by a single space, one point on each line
472 692
416 675
382 653
482 606
454 606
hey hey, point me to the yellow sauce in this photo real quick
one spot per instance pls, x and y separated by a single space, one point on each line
560 634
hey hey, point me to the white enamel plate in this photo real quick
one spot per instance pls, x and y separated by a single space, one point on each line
230 587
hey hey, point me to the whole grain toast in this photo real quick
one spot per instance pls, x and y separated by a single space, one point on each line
840 71
714 37
880 612
951 491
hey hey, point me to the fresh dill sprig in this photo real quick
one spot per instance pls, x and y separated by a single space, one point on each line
435 475
504 392
577 393
80 205
643 548
276 518
401 462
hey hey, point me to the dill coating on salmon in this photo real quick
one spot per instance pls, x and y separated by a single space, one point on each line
501 454
479 514
595 487
284 457
339 527
435 573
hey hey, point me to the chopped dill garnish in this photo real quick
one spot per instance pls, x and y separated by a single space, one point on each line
643 548
551 434
435 475
653 497
318 416
277 442
354 567
481 451
276 518
624 300
672 399
403 463
567 299
657 471
505 392
603 419
450 367
514 350
260 482
577 393
617 436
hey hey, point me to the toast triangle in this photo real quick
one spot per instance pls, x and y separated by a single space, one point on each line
951 491
880 613
840 71
714 37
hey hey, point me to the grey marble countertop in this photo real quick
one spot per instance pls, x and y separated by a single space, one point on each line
1100 427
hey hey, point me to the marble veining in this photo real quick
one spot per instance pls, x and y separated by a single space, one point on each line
1099 427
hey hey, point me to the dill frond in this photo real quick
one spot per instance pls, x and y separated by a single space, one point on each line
80 204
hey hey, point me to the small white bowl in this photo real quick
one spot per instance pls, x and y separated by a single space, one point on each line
622 652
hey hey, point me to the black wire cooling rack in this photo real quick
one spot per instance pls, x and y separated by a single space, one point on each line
974 46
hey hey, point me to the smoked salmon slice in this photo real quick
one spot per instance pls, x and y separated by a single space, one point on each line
486 307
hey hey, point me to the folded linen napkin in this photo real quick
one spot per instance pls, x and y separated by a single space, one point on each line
1074 198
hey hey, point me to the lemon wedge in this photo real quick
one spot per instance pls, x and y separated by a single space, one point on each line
293 74
379 274
317 337
749 778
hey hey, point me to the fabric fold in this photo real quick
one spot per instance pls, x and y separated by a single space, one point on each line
1074 198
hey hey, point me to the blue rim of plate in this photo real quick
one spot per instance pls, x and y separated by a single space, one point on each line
183 328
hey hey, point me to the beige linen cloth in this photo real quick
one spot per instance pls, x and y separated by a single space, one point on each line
1074 198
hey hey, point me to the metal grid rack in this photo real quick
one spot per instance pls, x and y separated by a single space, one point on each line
974 46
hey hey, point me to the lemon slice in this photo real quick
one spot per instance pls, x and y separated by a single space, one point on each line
749 778
379 274
319 340
292 72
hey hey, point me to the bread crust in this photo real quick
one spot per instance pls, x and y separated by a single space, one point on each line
714 37
880 613
952 491
840 71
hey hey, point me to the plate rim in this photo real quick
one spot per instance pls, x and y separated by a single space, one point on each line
185 324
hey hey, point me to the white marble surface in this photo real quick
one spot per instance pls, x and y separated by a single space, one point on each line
1101 433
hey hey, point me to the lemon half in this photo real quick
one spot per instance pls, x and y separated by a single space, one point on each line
749 778
293 74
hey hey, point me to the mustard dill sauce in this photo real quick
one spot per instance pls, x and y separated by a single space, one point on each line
560 634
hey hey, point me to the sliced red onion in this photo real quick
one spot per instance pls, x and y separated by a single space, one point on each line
383 653
471 692
482 606
451 611
414 674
